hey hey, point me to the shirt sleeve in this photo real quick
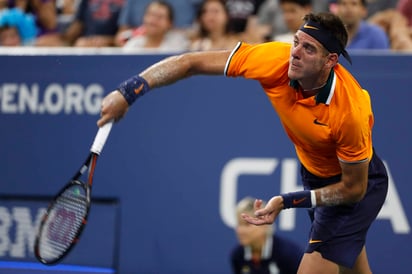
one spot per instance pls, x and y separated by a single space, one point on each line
354 135
265 62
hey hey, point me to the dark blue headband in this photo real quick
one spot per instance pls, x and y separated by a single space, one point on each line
326 38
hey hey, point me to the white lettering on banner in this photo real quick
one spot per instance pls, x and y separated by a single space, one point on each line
392 209
5 224
54 99
19 245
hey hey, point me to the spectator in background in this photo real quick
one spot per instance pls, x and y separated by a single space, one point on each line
405 8
42 10
95 25
260 251
17 28
396 26
131 16
375 6
293 12
270 14
156 33
361 34
9 37
66 11
213 33
244 20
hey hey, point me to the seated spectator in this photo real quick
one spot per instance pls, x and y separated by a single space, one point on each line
156 33
244 20
260 250
293 11
42 10
396 26
95 25
375 6
405 8
361 34
270 14
213 33
10 36
131 17
17 28
66 11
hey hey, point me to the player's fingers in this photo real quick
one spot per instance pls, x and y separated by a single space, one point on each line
103 120
257 204
262 212
254 220
113 106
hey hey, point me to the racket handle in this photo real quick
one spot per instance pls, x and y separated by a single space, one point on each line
101 137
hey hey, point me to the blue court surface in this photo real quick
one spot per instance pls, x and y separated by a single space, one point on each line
8 267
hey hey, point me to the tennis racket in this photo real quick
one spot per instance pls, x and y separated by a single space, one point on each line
66 215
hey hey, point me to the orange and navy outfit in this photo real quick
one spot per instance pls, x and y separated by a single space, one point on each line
334 125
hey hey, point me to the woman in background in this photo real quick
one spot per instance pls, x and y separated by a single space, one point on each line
213 32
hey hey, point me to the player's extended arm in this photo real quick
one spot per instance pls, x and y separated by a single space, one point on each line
165 72
350 189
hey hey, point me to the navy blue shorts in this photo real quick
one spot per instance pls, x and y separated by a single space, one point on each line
339 232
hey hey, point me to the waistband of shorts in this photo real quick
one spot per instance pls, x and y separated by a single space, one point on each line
311 181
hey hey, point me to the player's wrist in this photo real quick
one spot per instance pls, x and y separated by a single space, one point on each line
304 199
133 88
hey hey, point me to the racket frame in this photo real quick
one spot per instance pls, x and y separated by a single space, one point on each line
89 166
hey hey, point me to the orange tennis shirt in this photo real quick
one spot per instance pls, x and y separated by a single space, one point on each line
334 125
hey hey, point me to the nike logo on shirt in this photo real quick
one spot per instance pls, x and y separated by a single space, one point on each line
316 122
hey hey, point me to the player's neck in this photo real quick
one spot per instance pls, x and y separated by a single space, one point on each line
310 87
314 89
308 92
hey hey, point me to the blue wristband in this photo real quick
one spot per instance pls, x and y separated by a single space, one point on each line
133 88
297 199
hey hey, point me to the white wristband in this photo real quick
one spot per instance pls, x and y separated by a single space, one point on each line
313 198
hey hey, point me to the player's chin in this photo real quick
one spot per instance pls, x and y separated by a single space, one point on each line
293 75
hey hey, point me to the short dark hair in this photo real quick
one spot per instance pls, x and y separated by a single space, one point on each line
330 22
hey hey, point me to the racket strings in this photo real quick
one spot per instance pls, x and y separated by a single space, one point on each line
63 222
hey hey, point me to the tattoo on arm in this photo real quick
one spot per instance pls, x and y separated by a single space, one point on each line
178 67
166 72
331 197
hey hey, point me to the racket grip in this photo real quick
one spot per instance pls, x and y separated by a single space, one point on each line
101 137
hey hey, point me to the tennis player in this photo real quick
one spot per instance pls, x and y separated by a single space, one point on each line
326 114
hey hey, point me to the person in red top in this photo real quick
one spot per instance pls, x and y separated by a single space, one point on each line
326 114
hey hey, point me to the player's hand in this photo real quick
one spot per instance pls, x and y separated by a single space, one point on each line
266 215
114 106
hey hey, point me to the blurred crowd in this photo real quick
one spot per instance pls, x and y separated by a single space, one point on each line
195 25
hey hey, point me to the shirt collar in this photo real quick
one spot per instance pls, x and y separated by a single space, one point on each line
325 94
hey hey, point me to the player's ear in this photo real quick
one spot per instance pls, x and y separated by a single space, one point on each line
332 60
